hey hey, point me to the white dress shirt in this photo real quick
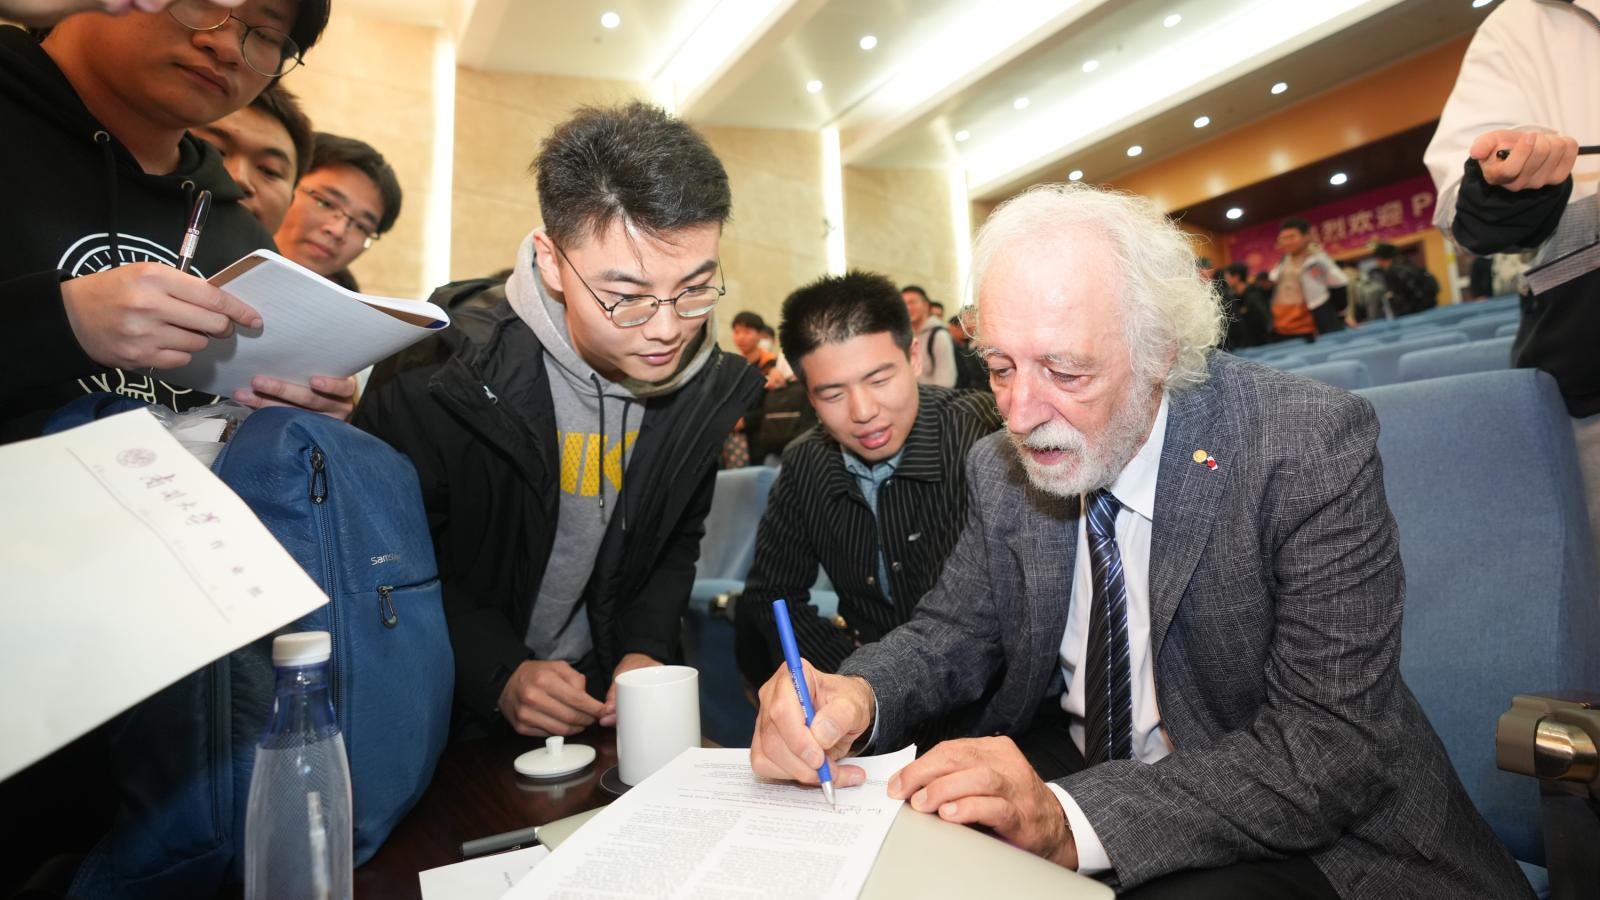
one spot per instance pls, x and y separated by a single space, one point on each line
1135 490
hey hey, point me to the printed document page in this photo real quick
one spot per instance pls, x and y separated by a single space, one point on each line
309 326
485 878
706 827
124 565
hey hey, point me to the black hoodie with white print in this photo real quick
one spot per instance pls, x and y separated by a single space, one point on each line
76 202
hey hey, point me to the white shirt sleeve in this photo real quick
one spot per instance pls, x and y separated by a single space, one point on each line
1092 859
944 359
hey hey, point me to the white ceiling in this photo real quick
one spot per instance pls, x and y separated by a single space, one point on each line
944 66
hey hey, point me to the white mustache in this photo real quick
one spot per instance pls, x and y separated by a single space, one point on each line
1053 436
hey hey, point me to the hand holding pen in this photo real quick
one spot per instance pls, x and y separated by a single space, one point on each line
785 747
1520 160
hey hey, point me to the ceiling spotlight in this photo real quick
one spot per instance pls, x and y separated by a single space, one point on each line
1089 65
1480 4
962 135
1172 20
868 41
1234 213
1020 103
1202 122
813 86
610 19
1280 87
1075 175
1135 150
1338 179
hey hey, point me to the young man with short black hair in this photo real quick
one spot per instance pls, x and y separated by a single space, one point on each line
96 115
566 439
266 148
876 496
348 198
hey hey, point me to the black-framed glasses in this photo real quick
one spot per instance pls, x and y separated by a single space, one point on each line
266 50
327 206
634 310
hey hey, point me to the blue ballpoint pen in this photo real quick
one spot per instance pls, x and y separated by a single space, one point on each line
797 674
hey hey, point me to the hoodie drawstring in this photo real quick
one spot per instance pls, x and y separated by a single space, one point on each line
106 153
600 395
622 454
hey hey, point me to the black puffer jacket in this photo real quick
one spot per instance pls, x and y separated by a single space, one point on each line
474 413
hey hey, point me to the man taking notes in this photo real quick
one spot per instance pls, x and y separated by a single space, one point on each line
567 450
876 496
1196 548
96 117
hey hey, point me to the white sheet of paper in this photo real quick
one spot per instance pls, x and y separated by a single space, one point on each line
485 878
124 565
309 326
705 826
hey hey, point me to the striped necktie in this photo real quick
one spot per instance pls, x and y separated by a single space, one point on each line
1108 690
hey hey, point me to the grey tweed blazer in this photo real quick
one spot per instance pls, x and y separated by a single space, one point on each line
1276 592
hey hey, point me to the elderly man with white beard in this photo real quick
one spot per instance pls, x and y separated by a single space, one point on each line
1189 559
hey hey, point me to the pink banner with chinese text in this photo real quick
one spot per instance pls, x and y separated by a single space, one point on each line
1356 223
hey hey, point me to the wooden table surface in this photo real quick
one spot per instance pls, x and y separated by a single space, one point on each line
476 793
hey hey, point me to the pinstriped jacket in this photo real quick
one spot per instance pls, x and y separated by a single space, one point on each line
1276 592
817 515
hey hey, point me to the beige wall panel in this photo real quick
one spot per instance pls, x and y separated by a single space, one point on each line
898 222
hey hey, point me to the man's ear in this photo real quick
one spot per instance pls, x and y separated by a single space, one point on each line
548 264
916 357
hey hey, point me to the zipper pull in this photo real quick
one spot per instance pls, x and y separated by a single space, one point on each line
387 614
319 476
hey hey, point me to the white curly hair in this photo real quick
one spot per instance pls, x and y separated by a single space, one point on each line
1172 317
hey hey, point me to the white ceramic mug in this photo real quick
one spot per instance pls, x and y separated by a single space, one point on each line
658 717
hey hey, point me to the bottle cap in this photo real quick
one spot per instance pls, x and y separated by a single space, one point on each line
302 648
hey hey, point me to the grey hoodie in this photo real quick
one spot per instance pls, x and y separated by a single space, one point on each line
596 423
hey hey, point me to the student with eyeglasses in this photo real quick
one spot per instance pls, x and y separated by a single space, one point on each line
348 198
566 437
103 174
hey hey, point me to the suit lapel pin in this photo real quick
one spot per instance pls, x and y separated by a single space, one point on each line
1204 459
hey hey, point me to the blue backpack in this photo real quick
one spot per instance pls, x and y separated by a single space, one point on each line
347 507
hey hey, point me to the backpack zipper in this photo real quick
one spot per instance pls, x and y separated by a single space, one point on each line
319 496
387 614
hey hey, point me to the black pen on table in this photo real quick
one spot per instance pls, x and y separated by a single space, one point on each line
191 234
494 843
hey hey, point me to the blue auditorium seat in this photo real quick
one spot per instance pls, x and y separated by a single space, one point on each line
1383 360
1478 328
1500 568
1458 359
1346 374
1508 330
726 551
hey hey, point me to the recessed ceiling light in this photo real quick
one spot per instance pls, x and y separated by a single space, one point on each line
1338 178
1075 175
1089 65
1480 4
1280 87
1172 20
1234 213
962 135
1135 150
868 41
1202 122
813 86
610 19
1020 103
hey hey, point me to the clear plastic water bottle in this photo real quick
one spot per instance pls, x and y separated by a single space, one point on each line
297 837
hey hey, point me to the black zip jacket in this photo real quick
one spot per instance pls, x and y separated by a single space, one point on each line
76 202
479 424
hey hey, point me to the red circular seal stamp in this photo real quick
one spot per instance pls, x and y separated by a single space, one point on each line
136 458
